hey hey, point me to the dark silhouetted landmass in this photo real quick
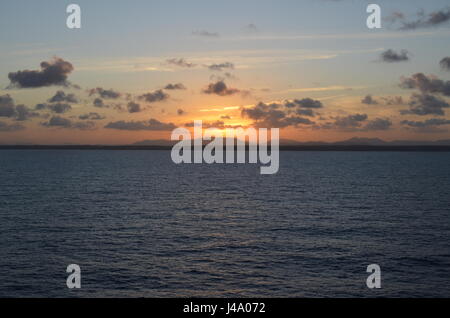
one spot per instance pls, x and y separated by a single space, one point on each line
353 144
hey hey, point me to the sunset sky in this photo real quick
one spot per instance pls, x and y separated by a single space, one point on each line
138 69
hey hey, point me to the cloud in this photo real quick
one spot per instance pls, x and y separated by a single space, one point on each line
175 86
180 112
221 66
151 125
181 62
428 126
393 100
222 77
5 127
156 96
218 124
7 106
427 123
350 121
394 17
304 103
206 33
60 96
369 100
59 108
378 124
24 113
91 116
134 107
425 104
98 102
251 27
220 88
426 84
60 122
8 109
273 115
105 93
423 20
53 72
445 63
306 112
356 122
390 56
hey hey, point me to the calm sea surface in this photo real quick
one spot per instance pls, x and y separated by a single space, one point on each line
141 226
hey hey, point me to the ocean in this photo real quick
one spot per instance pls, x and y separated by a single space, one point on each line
140 226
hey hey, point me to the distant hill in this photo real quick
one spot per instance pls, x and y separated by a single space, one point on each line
157 142
355 141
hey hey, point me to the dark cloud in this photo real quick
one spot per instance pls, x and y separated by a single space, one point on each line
60 122
24 113
393 100
60 96
251 27
206 33
6 100
98 102
350 121
423 20
156 96
85 125
390 56
5 127
369 100
10 110
219 124
7 106
91 116
59 108
151 125
54 72
134 107
175 86
220 67
445 63
426 84
180 112
306 112
356 122
220 88
105 93
273 116
378 124
41 106
225 117
7 111
427 123
394 17
222 77
425 104
181 62
428 126
57 121
304 103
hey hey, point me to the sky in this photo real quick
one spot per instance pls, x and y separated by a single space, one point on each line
136 70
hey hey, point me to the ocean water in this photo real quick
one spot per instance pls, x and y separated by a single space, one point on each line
140 226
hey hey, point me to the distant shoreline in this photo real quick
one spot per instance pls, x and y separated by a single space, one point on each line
424 148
